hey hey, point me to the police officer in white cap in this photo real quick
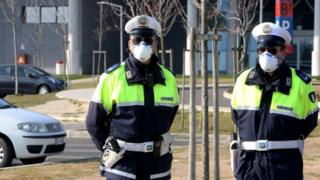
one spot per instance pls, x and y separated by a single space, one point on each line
274 108
132 109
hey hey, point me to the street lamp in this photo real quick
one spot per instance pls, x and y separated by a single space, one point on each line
121 24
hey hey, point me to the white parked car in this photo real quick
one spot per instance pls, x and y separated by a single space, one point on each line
28 136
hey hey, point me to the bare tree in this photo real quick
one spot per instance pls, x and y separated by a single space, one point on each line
61 28
242 17
192 112
210 13
214 14
100 32
11 14
182 14
163 10
37 39
204 87
37 34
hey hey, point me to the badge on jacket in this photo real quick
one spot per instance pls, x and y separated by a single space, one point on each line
312 97
128 74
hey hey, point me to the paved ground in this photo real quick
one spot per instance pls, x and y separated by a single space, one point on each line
64 109
70 112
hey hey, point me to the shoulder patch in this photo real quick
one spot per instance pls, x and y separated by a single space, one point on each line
243 70
304 76
312 97
174 74
112 68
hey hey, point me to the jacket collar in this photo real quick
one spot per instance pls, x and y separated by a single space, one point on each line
137 73
279 81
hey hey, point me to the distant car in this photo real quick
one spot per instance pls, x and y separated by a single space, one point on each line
28 136
31 80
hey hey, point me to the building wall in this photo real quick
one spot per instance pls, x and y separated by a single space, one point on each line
52 43
85 18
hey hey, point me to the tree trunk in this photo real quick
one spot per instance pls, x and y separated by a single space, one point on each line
243 60
66 59
192 112
215 83
204 91
234 63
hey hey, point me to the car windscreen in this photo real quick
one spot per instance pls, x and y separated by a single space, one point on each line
4 104
40 71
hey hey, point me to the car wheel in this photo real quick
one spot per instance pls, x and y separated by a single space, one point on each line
43 89
33 160
6 153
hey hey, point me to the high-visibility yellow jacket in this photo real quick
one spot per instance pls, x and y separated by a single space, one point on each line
134 103
278 109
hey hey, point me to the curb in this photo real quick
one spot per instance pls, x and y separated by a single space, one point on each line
198 86
85 159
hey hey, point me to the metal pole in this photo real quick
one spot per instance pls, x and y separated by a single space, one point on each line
192 23
182 90
121 34
171 59
93 66
100 37
261 12
315 63
15 56
298 54
105 59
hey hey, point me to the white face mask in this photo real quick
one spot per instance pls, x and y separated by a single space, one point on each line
142 52
268 62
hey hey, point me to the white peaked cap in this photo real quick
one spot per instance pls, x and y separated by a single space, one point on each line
268 28
143 22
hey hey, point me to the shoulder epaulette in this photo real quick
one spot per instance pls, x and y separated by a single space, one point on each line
243 70
112 68
304 76
174 74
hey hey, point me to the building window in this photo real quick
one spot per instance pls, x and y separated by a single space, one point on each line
62 14
45 14
48 14
32 14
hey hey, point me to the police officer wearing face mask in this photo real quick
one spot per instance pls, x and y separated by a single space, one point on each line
132 109
274 108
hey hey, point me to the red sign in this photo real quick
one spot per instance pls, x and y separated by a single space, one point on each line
284 8
284 14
